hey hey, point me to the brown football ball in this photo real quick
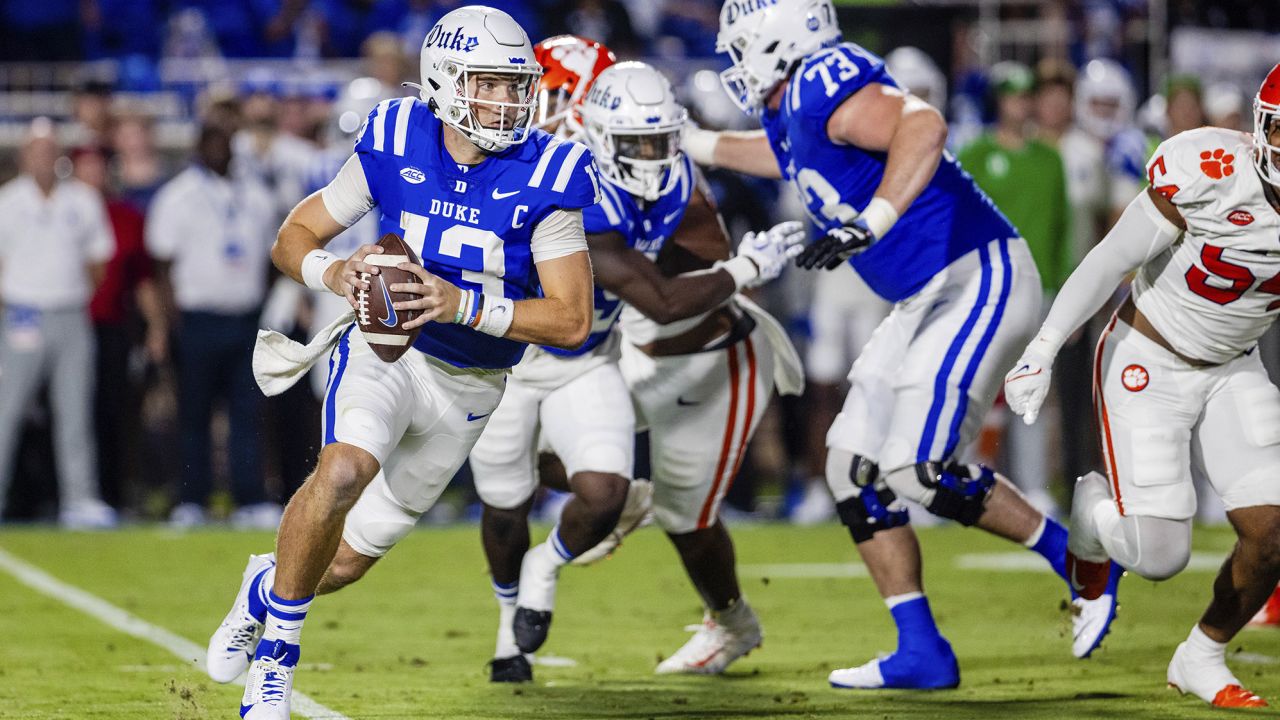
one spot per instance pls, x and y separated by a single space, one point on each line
381 323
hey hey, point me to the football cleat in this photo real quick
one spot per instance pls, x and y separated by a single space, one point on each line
1091 619
537 598
232 645
88 515
270 683
715 645
1088 568
514 669
1088 579
1213 683
635 515
1269 615
909 670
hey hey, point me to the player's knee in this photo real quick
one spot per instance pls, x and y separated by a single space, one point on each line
949 490
343 473
873 506
503 525
1261 533
603 494
1163 546
342 572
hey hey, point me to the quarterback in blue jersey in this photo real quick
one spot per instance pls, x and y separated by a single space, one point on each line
869 161
577 402
494 210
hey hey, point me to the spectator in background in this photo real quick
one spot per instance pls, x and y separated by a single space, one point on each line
1224 106
606 21
1085 164
210 232
1026 180
688 28
250 28
1105 101
275 159
35 30
344 24
1183 104
137 170
91 113
53 242
126 285
386 62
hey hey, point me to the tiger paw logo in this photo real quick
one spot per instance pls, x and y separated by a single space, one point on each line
1217 164
1134 378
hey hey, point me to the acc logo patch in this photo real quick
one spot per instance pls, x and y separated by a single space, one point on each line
1240 217
1134 378
413 175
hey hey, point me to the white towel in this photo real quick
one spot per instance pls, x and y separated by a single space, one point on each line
279 362
788 372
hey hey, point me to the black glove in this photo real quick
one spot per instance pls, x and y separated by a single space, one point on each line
836 247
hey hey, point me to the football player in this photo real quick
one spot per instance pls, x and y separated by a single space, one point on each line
869 160
1178 382
494 210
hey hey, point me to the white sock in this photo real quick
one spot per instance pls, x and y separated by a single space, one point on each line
1039 532
506 597
737 614
1202 648
894 601
285 618
558 554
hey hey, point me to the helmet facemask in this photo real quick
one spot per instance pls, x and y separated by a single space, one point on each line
491 124
642 160
1266 156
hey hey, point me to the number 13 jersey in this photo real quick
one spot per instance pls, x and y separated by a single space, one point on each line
949 219
1217 290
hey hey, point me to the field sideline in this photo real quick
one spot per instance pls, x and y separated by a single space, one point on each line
412 640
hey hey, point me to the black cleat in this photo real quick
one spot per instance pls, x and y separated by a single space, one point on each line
531 627
514 669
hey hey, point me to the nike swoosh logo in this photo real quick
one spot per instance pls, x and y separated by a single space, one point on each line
391 320
473 418
501 195
1025 375
682 401
1076 585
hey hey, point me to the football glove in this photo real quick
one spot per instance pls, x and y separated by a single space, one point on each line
836 247
1027 384
762 255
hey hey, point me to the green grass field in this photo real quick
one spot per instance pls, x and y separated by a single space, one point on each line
412 640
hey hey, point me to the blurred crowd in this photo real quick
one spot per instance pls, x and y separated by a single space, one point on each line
133 282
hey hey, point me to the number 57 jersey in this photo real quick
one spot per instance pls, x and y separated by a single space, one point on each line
1214 293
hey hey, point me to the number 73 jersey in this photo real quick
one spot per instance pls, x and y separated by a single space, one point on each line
1215 292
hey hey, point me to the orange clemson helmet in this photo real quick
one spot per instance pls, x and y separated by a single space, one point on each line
569 65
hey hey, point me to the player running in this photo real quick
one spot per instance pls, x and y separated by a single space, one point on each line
1178 382
707 353
869 161
493 208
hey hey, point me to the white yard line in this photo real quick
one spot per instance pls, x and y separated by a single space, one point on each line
120 619
1030 562
805 570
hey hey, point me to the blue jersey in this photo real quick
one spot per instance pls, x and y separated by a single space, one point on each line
950 218
469 225
645 227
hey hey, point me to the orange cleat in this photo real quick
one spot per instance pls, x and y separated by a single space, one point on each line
1269 615
1234 696
1088 579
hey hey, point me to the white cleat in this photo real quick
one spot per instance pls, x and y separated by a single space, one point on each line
717 643
864 677
636 513
88 515
1090 622
269 687
1212 682
232 645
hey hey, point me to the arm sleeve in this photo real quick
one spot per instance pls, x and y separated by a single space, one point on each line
347 196
559 234
1141 234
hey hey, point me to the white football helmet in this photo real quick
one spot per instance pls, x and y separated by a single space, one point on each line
918 74
767 39
473 41
633 125
1105 98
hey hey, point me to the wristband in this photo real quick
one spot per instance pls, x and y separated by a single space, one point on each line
465 300
496 316
314 266
879 216
742 269
473 313
699 144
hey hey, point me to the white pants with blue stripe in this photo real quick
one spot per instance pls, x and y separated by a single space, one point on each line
934 366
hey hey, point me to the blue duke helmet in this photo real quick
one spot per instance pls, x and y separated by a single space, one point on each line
472 41
632 125
767 39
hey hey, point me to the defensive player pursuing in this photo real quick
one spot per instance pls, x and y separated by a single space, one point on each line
493 209
869 161
688 375
1178 382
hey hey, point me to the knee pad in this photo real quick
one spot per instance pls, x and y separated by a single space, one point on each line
1154 548
378 521
951 490
875 507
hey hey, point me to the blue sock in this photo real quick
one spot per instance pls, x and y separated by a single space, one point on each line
1052 546
285 618
916 627
258 594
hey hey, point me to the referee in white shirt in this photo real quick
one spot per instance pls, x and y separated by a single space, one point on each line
211 234
54 241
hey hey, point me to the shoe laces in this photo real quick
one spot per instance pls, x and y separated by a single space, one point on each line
275 681
243 636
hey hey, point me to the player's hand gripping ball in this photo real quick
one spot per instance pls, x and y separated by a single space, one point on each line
374 270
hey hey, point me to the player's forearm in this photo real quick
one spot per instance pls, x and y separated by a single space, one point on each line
914 153
745 152
551 321
292 244
686 295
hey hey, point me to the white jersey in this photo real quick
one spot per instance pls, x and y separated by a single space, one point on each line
1215 292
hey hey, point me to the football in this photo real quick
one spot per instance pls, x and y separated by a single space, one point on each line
381 323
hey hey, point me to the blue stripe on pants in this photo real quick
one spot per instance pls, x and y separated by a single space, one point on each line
949 360
953 438
331 397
